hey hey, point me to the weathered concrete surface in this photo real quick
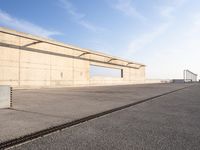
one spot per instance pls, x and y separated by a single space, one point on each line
30 61
170 122
4 96
35 110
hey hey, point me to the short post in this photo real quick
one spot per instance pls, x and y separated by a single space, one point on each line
5 96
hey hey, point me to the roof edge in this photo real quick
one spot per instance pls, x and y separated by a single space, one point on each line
52 41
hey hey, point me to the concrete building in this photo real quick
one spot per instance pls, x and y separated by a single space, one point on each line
31 61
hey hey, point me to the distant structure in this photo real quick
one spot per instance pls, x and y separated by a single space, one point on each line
31 61
189 76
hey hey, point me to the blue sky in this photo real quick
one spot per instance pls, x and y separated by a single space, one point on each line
163 34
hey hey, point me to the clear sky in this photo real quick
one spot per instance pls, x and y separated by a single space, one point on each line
163 34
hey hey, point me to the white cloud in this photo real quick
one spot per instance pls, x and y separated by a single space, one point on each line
169 7
71 9
177 51
90 26
25 26
176 3
127 8
145 39
167 11
194 27
174 58
79 17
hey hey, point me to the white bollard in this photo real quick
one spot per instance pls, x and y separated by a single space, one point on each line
5 96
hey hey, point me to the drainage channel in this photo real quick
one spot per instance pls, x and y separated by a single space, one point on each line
32 136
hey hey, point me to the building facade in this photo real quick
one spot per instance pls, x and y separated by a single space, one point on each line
31 61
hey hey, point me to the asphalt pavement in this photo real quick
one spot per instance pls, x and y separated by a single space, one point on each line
35 110
170 122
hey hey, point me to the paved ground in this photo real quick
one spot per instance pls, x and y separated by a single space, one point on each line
169 122
36 110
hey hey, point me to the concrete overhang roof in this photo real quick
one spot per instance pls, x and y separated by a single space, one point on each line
53 42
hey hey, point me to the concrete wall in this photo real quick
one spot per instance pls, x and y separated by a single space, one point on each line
47 63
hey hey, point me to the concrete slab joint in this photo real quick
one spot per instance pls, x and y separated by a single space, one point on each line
5 96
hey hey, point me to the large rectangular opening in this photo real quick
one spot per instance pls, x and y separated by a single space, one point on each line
99 71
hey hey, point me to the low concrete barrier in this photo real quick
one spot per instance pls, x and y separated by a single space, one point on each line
179 81
5 96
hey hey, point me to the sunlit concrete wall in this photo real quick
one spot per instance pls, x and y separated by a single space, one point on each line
44 64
